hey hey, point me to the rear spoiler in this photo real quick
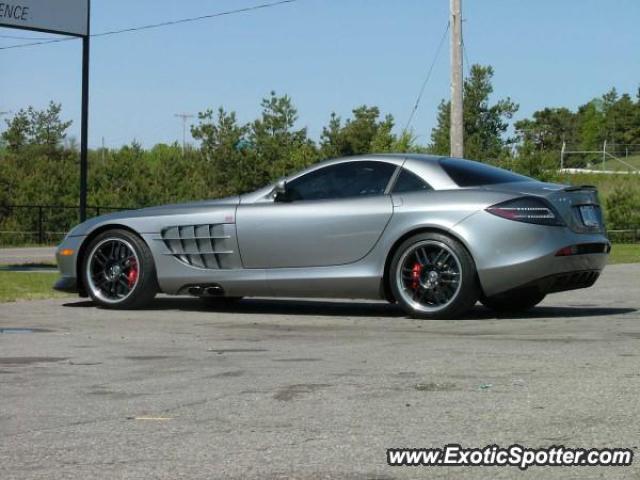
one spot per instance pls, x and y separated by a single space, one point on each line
576 188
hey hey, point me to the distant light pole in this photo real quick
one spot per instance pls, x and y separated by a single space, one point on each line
184 117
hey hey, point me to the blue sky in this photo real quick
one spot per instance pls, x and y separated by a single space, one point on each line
329 55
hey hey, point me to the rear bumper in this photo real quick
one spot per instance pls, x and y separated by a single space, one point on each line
549 273
561 282
511 255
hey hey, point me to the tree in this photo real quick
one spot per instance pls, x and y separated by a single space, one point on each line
540 140
620 121
352 138
590 125
365 133
548 129
485 124
331 138
36 128
384 140
16 135
47 128
359 131
245 157
534 162
278 147
221 145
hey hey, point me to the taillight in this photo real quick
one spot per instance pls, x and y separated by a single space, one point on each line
528 210
567 251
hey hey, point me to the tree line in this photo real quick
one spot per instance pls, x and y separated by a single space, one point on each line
39 163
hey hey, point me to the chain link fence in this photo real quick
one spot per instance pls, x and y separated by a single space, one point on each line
42 224
630 234
609 158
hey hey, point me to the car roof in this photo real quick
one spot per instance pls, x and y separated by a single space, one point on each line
423 157
425 166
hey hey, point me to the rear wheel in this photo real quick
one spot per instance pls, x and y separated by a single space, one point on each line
514 302
433 276
119 271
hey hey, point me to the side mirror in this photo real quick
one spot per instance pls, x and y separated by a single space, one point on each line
280 191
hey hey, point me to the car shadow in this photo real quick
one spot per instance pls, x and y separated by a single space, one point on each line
29 267
342 308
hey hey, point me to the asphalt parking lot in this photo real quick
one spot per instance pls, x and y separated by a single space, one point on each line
313 389
27 255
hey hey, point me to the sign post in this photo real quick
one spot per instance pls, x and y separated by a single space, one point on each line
66 17
84 122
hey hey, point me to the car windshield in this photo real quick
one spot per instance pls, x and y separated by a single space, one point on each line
467 173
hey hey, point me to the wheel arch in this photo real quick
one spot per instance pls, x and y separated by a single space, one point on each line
82 290
385 286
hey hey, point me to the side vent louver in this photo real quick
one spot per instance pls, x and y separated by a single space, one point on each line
203 246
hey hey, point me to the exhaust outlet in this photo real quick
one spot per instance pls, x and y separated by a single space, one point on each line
216 291
195 291
205 290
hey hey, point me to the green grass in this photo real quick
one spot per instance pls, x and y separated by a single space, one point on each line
605 183
27 286
613 164
625 253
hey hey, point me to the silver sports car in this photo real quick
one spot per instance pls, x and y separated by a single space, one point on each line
434 234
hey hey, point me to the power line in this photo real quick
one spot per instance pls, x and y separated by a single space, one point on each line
466 58
426 80
464 50
31 44
158 25
19 37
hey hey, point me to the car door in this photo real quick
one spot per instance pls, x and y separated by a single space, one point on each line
330 216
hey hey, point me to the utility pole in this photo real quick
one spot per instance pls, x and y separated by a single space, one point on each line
184 117
456 129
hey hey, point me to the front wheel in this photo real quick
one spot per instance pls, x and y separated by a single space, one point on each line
119 271
433 276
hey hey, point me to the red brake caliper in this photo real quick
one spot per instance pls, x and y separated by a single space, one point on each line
415 275
132 274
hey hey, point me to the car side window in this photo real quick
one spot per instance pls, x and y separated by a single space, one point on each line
343 180
409 182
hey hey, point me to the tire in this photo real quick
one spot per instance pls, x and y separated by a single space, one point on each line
220 302
513 302
118 271
443 286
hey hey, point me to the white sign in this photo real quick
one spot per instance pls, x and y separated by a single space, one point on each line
56 16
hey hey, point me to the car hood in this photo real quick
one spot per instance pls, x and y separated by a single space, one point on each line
161 210
181 207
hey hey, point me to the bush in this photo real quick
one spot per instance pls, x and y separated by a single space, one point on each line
623 207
